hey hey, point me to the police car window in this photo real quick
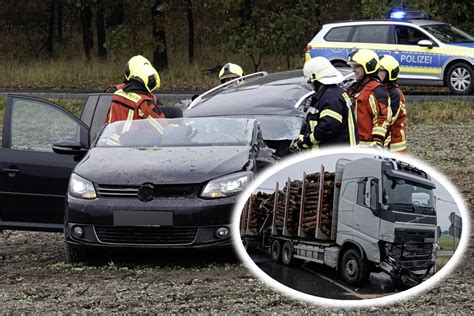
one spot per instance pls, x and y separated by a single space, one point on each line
371 34
448 34
338 34
406 35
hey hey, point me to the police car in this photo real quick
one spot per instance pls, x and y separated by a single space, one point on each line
429 52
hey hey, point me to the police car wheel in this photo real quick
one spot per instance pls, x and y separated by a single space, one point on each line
460 78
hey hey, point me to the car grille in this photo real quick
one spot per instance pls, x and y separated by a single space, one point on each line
146 235
161 191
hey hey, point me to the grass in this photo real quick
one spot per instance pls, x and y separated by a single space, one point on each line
441 262
446 242
441 111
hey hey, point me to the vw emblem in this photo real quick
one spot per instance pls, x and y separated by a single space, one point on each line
146 192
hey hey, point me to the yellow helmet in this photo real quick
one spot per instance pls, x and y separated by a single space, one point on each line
367 58
148 76
133 64
230 71
391 65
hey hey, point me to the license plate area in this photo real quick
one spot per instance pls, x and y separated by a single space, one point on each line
143 218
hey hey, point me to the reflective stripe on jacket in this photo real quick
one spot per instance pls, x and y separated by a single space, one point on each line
372 109
133 106
333 121
397 129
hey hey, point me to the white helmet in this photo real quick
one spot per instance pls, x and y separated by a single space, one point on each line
320 69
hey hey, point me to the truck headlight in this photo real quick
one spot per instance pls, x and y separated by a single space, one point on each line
226 186
81 188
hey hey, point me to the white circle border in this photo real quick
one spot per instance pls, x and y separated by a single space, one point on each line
385 300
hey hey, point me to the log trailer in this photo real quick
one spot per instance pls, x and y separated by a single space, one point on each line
370 215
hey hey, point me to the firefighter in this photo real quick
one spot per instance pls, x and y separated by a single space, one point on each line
330 120
397 129
135 100
230 72
370 99
132 64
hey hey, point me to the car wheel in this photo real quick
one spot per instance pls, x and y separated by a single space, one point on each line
460 78
276 250
354 268
75 254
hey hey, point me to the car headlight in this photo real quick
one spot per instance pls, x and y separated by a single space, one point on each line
81 188
226 186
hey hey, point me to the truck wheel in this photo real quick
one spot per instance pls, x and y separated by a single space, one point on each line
245 243
354 268
460 78
276 250
74 254
287 255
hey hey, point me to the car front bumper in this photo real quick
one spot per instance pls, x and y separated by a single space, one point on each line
194 223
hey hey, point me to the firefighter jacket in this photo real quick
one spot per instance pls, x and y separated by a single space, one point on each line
372 110
120 86
332 121
396 136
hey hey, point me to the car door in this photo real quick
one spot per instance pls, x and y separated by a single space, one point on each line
34 179
416 62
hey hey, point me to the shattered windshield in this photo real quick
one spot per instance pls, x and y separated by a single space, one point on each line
279 127
181 132
407 196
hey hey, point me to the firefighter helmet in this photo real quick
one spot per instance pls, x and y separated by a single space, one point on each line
391 65
133 64
148 76
367 58
320 69
230 71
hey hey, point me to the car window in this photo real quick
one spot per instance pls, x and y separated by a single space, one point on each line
37 125
371 34
448 34
406 35
338 34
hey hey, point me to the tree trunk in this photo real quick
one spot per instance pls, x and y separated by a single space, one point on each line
50 38
100 20
60 20
189 13
160 56
86 23
115 17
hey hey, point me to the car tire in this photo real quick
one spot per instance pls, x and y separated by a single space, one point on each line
287 255
74 254
276 250
354 268
460 78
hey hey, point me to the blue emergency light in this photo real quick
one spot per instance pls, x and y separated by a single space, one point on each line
398 15
401 13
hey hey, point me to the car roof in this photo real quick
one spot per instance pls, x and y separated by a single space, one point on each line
274 94
419 22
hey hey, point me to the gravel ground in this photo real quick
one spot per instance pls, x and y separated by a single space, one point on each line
35 278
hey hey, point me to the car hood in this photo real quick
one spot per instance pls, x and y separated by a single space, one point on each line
166 165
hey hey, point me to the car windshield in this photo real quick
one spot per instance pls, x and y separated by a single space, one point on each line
181 132
407 196
279 127
448 34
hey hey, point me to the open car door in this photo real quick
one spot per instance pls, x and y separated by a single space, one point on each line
34 179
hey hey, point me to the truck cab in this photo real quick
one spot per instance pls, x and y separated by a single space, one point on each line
387 211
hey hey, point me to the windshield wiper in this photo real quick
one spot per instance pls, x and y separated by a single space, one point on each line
406 207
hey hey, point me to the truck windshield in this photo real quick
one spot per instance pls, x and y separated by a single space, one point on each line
407 196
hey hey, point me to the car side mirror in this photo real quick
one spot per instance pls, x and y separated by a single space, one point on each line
69 147
426 43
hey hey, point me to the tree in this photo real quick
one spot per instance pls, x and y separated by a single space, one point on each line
50 38
160 55
86 23
100 22
190 18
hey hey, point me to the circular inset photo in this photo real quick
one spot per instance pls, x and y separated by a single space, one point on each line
351 227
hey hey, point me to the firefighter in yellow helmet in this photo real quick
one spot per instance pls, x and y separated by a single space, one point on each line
229 72
136 99
397 128
370 99
130 68
330 120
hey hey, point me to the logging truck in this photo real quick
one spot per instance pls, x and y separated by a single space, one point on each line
369 215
